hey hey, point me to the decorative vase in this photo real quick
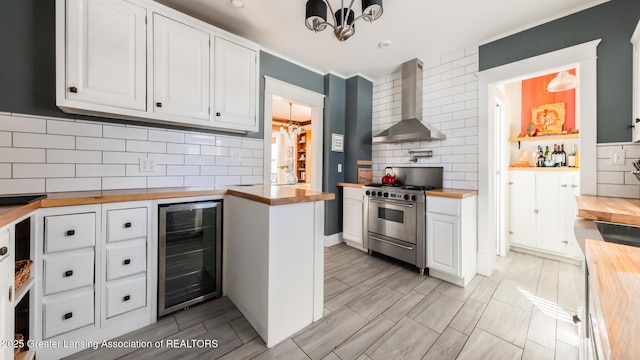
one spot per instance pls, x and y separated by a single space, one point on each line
291 178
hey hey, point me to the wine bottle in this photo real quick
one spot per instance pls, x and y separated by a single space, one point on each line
540 157
571 159
547 157
563 156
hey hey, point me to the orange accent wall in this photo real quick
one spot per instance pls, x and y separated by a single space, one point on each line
534 93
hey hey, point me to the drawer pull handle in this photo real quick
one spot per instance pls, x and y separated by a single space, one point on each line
70 232
126 261
73 89
68 316
68 273
158 104
127 225
126 298
3 251
218 114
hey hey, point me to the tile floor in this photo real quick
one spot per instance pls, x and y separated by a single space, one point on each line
378 309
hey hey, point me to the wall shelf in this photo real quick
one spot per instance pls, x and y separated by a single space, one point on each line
23 290
545 138
533 168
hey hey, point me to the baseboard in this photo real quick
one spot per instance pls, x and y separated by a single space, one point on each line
545 255
335 239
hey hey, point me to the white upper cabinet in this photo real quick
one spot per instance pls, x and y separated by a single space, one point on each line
181 69
635 39
140 60
106 53
235 86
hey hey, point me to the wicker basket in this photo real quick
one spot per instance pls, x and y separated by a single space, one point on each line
17 349
22 272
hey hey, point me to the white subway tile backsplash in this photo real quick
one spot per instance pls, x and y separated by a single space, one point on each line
200 181
146 146
16 155
227 180
166 181
631 179
41 141
21 186
166 136
624 191
632 151
114 183
606 165
73 184
251 144
86 170
238 170
173 170
228 142
73 128
214 150
5 138
200 139
122 132
214 170
34 171
605 152
87 143
610 177
249 180
5 171
168 159
183 149
134 170
74 156
109 157
23 124
199 160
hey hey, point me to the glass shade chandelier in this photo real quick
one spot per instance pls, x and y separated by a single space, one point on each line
563 82
291 130
343 19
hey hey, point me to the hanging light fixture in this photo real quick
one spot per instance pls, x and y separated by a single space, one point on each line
343 19
291 129
563 82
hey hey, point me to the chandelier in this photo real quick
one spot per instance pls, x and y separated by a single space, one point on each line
291 129
343 19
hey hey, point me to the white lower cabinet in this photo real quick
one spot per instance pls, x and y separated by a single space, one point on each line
542 211
452 239
6 292
352 209
91 273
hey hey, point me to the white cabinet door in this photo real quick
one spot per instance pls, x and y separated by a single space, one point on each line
6 314
234 86
181 70
443 243
551 199
106 53
522 209
636 84
352 221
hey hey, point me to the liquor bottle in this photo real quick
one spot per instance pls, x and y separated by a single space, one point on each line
540 157
554 155
547 157
563 156
571 159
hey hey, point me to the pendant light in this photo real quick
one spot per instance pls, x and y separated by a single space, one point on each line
563 82
343 19
291 129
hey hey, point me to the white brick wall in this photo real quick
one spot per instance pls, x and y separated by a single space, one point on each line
617 180
50 155
450 104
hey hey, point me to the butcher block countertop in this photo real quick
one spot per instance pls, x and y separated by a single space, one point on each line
278 195
617 210
449 193
274 195
614 272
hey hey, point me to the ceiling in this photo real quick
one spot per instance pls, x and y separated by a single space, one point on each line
298 113
416 28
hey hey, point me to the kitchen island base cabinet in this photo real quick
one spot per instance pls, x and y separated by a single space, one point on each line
275 265
452 239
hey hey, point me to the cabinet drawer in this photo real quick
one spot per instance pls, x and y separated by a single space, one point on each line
353 193
126 295
126 224
5 241
443 205
126 259
64 272
67 232
67 313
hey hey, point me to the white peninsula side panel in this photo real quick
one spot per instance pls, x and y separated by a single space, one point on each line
275 265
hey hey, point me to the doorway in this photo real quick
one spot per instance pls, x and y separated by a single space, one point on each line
584 57
297 96
291 143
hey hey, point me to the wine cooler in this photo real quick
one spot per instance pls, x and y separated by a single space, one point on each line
189 254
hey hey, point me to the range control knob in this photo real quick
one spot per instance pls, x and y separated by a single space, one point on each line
406 196
379 193
385 194
413 197
368 192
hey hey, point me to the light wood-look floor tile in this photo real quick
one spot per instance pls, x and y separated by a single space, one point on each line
533 351
376 301
467 318
398 310
436 311
448 345
482 345
364 338
408 339
506 322
285 350
566 352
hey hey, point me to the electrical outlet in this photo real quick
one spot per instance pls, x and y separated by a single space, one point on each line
618 157
147 164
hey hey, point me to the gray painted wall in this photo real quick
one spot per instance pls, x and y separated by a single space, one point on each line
613 22
334 122
358 125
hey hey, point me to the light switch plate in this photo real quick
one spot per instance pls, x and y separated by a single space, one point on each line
618 157
339 168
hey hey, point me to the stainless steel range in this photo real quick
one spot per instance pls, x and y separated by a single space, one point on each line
395 216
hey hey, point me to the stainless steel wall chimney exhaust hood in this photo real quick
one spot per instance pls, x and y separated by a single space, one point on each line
410 128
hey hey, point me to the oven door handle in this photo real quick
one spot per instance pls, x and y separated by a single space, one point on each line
391 243
391 202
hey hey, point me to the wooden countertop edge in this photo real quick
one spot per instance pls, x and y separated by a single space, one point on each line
618 210
287 200
452 193
17 212
352 185
89 200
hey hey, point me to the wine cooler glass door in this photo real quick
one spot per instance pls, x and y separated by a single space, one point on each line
189 254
